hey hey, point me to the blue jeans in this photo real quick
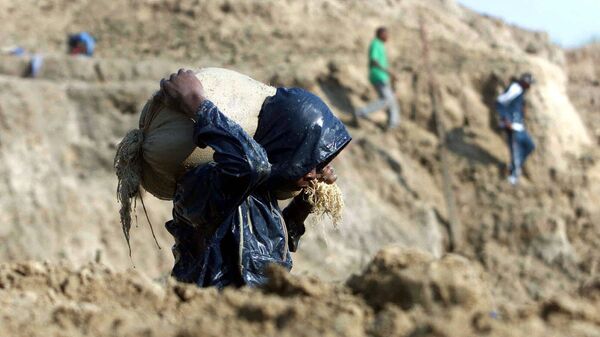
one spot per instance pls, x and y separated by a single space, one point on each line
521 145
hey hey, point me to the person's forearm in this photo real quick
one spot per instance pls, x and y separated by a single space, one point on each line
377 65
206 194
298 210
294 216
236 153
507 97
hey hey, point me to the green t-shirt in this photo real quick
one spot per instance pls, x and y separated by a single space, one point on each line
377 53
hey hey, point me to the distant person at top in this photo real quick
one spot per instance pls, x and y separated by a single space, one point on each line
511 108
381 78
82 43
35 64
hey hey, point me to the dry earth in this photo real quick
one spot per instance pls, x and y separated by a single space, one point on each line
400 293
529 254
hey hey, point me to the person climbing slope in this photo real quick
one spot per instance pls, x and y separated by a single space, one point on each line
36 60
381 78
511 108
226 222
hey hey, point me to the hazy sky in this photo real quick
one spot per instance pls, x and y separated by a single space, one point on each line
569 22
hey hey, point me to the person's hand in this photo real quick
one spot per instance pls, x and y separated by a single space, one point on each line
183 90
327 175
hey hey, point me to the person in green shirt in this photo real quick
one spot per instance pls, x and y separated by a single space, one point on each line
381 78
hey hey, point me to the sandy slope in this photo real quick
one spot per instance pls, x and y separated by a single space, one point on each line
534 243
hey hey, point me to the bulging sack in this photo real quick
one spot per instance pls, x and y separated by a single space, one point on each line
162 148
167 148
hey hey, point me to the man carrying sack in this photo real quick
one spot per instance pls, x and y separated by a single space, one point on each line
226 222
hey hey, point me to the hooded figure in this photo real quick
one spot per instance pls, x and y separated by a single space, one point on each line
82 43
226 222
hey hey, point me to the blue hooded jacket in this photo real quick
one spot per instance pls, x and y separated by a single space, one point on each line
226 222
86 39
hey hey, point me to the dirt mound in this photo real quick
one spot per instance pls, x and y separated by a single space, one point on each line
445 298
419 279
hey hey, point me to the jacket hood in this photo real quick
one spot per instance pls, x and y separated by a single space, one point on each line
299 132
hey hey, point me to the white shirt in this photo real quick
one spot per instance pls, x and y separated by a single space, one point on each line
513 91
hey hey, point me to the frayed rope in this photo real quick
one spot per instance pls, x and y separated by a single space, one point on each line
326 199
128 167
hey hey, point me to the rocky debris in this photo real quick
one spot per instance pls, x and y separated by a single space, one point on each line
412 278
40 299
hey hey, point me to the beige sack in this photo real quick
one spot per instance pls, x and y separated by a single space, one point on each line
168 150
156 154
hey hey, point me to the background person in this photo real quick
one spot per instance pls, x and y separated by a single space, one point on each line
511 108
82 43
36 61
381 78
